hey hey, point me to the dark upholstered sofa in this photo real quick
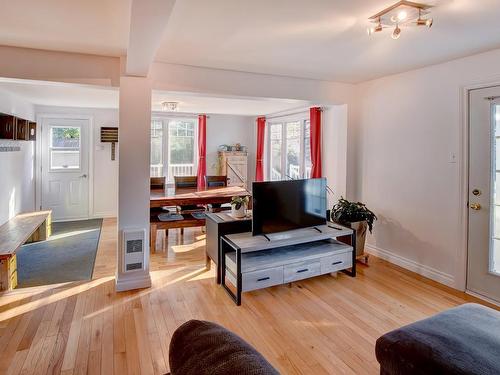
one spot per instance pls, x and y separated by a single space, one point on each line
462 340
202 348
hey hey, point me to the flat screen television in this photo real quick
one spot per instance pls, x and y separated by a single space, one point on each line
280 206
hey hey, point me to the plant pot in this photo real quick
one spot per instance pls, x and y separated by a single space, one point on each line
360 227
239 213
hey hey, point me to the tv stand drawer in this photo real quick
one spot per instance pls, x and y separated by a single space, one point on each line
301 270
337 262
262 278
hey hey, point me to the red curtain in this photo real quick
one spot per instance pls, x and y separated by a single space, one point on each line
202 150
259 164
315 118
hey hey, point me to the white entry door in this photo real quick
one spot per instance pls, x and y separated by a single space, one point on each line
483 271
65 164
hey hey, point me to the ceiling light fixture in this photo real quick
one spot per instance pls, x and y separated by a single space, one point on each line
170 106
403 13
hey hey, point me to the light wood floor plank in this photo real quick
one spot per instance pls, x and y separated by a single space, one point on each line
325 325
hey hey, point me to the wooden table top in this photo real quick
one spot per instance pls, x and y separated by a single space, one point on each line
175 197
17 230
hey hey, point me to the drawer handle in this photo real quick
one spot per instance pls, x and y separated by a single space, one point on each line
303 270
263 278
335 263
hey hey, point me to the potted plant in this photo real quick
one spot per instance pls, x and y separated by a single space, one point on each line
239 206
356 216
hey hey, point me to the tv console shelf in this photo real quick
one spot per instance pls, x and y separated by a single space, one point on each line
255 262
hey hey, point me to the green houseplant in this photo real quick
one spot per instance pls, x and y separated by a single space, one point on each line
238 206
356 216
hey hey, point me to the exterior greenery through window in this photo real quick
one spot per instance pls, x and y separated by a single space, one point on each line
173 147
290 150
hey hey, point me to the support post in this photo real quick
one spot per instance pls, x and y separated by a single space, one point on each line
134 165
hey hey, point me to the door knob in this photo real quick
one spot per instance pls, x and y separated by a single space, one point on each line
83 176
475 206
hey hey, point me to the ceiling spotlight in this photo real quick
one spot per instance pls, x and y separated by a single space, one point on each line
424 22
401 14
170 106
396 33
374 29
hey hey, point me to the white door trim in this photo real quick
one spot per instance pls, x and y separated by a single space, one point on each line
90 141
463 160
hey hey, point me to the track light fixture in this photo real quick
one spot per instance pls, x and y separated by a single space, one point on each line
403 13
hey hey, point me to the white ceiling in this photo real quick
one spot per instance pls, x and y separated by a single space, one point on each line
88 26
71 95
321 39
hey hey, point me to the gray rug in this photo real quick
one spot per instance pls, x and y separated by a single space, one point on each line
68 255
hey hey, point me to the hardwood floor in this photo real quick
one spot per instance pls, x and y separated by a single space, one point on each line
325 325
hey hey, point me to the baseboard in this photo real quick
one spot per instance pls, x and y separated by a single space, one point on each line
411 265
104 215
127 283
480 296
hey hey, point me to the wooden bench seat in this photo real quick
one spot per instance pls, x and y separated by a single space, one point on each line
156 224
21 229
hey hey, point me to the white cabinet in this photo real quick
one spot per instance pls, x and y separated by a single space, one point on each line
234 165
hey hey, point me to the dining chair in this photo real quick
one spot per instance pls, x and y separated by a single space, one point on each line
187 182
215 181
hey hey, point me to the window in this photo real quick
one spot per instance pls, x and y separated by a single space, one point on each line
173 148
65 148
294 138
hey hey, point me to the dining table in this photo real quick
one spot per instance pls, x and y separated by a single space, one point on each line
172 197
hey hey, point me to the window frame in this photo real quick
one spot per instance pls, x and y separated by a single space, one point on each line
165 120
284 120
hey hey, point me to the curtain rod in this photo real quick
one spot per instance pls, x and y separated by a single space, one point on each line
291 114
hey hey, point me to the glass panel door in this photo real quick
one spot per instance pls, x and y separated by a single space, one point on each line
483 257
293 150
276 153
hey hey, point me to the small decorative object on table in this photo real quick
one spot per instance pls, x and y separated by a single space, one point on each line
239 206
356 216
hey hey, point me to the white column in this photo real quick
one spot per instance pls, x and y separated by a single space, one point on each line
133 187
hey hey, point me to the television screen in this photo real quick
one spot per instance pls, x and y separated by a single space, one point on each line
279 206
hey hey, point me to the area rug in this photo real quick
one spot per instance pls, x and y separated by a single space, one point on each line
68 255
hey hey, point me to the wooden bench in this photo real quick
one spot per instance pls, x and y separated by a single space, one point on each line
24 228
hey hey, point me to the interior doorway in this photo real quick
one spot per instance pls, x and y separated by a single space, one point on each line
483 264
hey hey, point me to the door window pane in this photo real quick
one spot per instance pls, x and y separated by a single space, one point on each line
293 150
276 146
156 148
495 246
64 147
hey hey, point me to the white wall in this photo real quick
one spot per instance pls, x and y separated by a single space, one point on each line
334 150
17 179
105 197
407 128
229 130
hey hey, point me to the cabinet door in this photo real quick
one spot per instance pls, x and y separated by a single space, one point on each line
21 130
237 171
7 126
